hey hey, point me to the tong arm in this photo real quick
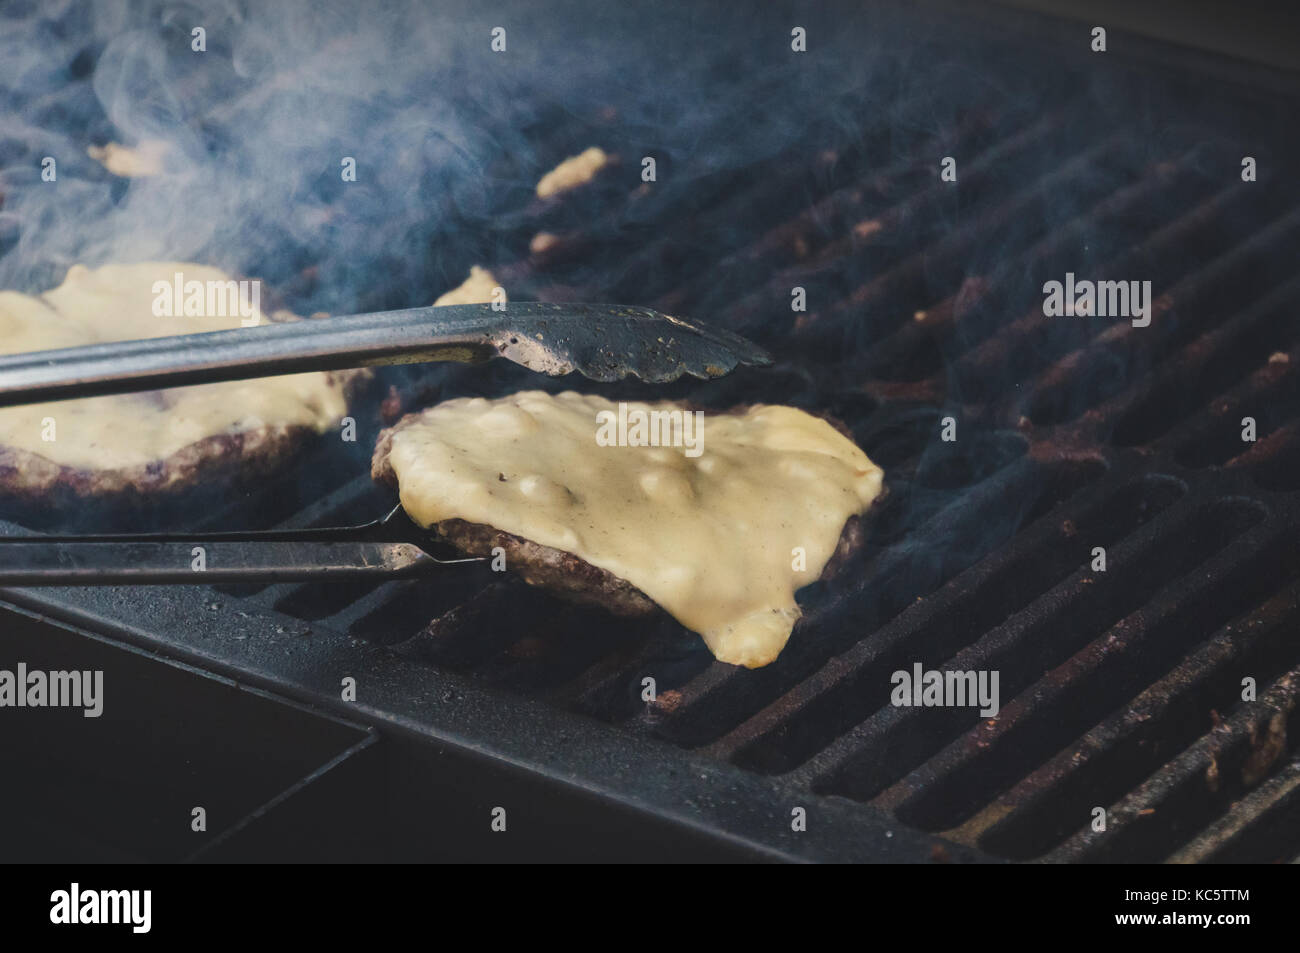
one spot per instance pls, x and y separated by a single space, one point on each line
371 550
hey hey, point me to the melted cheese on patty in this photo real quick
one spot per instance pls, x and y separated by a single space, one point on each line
115 303
711 538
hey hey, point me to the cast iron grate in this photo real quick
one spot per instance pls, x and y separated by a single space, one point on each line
1107 678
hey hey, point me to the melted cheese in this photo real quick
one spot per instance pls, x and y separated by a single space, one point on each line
115 303
710 538
572 172
476 289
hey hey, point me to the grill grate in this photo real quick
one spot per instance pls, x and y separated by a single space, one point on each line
1109 676
1120 690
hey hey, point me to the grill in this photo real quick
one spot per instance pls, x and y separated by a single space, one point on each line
1121 689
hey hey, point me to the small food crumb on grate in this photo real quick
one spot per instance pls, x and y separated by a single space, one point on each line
132 162
573 172
667 701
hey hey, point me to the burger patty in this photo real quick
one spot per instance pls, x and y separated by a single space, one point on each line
566 574
29 477
154 442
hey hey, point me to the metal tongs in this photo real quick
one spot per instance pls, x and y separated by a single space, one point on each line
392 547
605 342
602 342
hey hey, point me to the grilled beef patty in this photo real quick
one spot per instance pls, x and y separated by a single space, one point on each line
565 573
145 444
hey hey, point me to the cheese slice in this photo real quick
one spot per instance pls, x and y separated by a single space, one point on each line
116 302
721 538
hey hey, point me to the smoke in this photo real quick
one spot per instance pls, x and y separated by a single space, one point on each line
448 136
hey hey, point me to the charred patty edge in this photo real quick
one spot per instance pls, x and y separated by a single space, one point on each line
28 477
570 576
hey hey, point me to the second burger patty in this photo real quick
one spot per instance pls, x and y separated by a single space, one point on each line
155 440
